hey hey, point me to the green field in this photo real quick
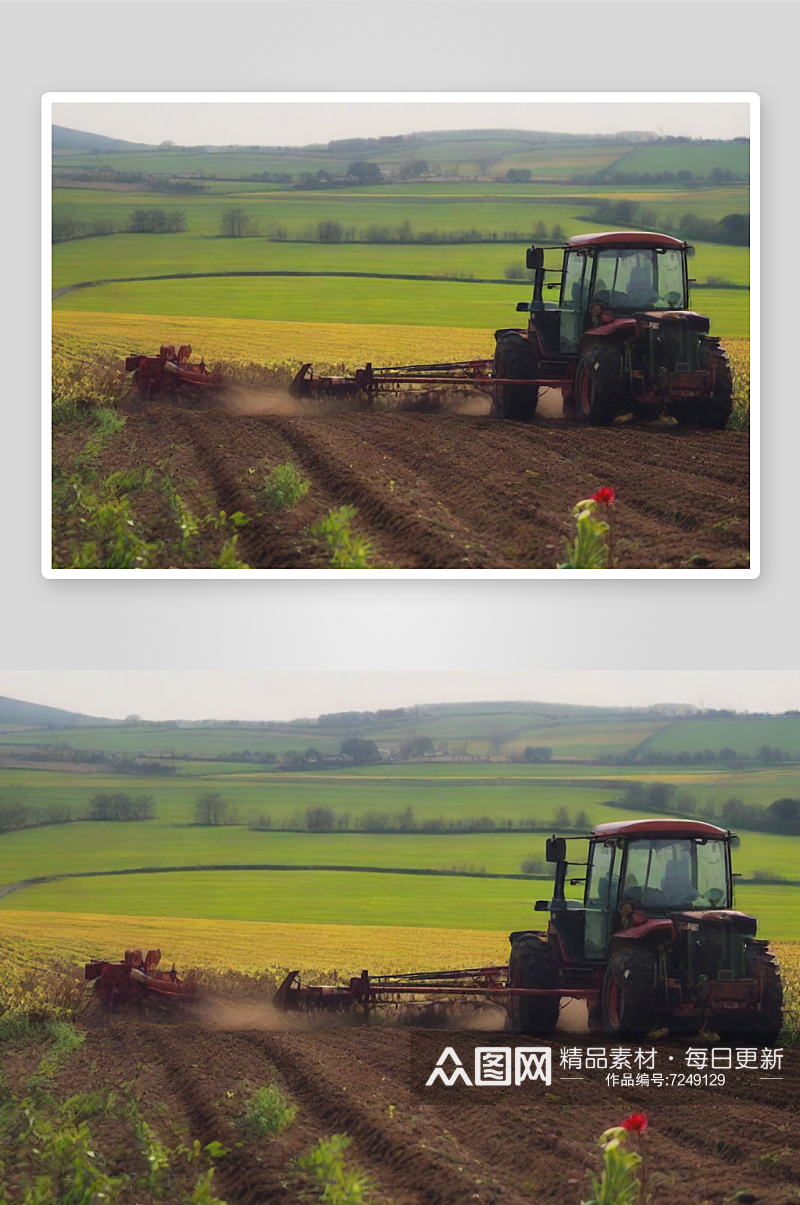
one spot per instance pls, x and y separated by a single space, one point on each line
330 897
745 736
283 795
451 790
77 847
505 214
203 742
124 255
468 152
478 732
359 301
490 209
446 208
733 157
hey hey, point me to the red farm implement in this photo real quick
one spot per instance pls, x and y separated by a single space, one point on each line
365 992
136 980
171 370
457 375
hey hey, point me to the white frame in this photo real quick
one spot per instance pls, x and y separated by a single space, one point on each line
638 98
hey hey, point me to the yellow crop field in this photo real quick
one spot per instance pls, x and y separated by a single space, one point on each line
82 337
232 951
35 939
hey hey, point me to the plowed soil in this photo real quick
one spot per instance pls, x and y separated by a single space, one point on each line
703 1144
453 490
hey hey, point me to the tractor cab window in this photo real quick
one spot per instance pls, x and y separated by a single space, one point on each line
574 300
676 873
599 877
669 281
640 279
601 897
575 295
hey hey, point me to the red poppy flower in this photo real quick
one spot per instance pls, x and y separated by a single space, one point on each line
605 496
636 1123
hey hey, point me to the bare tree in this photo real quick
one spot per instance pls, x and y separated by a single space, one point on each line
237 223
210 808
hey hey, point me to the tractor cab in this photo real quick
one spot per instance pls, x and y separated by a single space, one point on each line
605 276
637 872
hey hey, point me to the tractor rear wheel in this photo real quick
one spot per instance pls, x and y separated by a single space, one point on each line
763 1024
713 411
532 964
596 389
628 989
514 358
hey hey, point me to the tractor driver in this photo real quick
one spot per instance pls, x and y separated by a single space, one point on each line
640 286
677 884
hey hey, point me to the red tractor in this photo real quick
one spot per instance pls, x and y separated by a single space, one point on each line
621 339
655 942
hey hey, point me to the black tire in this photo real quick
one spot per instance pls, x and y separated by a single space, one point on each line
627 996
532 964
514 357
762 1024
714 411
597 385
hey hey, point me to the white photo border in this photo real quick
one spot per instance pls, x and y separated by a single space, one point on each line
749 98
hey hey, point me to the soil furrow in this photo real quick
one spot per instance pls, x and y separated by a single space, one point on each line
241 1173
447 490
398 529
400 1157
263 545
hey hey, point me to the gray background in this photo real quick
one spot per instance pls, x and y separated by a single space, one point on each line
441 46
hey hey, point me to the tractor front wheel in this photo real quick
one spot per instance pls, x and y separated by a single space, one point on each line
514 359
532 964
628 990
595 393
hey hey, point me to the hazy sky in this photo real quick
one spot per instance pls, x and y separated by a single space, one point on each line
298 123
195 695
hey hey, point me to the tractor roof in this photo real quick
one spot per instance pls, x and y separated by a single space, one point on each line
625 238
643 828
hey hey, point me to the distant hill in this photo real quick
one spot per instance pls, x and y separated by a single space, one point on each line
65 139
15 711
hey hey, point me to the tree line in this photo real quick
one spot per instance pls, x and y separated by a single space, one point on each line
238 222
781 816
14 814
212 809
733 229
150 220
717 175
764 755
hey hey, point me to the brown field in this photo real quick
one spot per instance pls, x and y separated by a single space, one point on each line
190 1081
449 490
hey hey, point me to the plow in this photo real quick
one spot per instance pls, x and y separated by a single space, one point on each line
655 942
619 340
135 979
409 379
171 369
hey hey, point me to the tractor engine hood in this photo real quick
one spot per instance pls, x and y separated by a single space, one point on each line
694 321
612 322
740 922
